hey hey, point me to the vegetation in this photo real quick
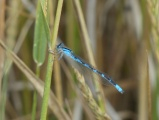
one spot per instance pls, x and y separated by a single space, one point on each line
120 38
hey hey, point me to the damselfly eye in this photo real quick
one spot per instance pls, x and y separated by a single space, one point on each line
59 45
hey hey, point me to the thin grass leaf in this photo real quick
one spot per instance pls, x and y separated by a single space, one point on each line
41 37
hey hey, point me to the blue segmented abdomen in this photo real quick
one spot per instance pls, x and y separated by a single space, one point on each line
99 73
102 75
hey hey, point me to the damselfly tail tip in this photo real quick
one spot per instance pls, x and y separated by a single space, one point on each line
119 88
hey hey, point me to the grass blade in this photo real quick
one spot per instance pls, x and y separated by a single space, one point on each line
40 37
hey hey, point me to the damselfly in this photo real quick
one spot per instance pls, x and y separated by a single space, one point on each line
62 50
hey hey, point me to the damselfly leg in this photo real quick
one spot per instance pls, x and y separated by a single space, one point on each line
58 53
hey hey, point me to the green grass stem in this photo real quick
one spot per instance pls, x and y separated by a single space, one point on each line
50 64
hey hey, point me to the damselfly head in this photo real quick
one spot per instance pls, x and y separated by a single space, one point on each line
59 45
